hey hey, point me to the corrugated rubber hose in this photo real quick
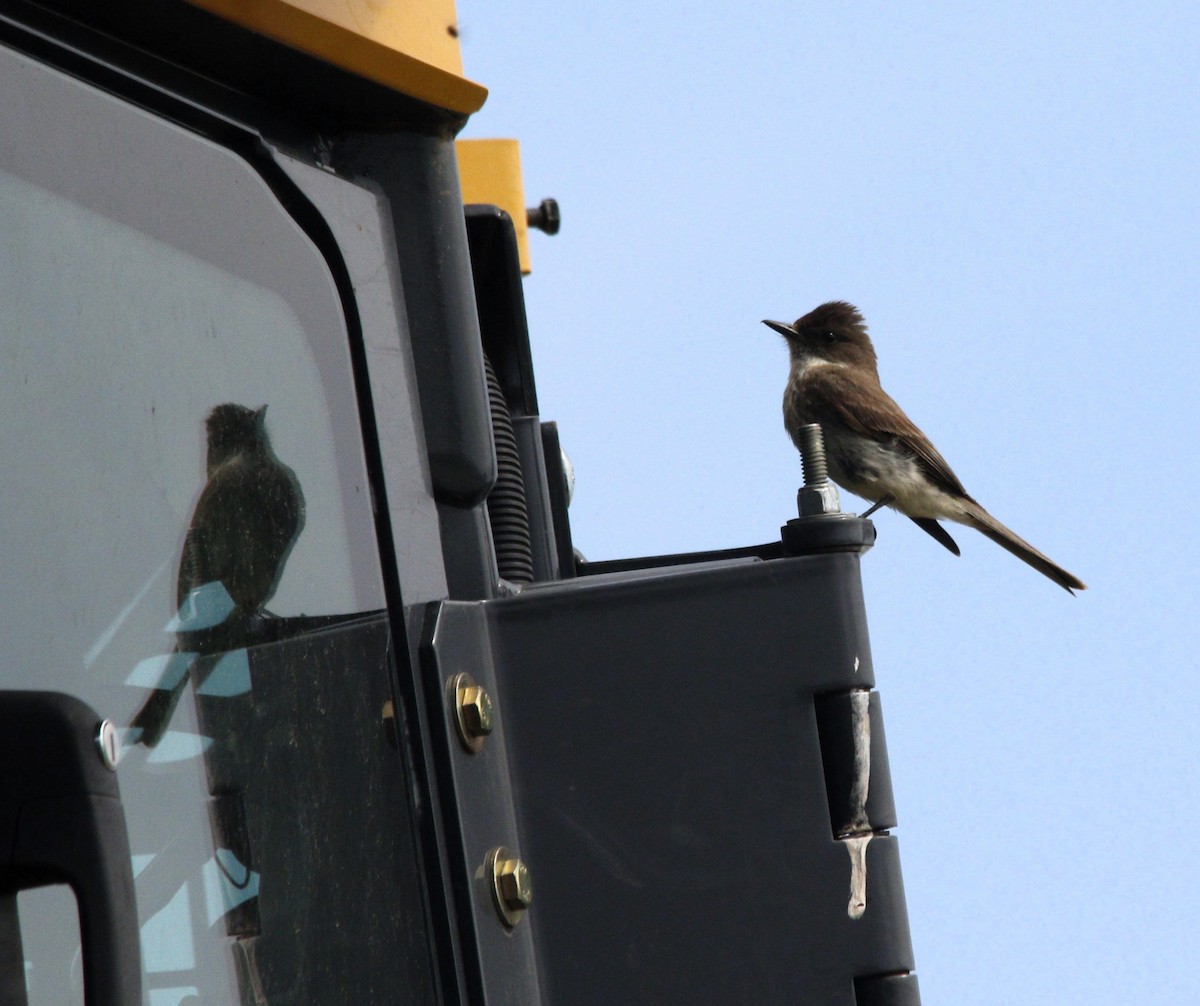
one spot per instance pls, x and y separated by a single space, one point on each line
507 512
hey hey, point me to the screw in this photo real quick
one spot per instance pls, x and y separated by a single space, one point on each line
545 216
512 890
108 743
818 496
473 714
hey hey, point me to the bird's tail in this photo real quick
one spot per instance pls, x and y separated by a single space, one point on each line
977 517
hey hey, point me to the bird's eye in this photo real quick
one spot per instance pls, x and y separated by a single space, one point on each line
828 335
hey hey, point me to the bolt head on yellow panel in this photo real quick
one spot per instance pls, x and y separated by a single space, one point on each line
489 171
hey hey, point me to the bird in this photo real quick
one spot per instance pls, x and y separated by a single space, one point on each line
244 525
872 448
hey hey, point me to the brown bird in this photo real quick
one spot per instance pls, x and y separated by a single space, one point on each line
247 519
873 449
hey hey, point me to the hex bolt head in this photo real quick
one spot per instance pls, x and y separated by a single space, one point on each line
477 711
473 713
516 891
512 891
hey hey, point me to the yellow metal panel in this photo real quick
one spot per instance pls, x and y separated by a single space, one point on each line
407 46
490 172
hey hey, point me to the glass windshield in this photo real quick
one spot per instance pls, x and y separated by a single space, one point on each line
189 548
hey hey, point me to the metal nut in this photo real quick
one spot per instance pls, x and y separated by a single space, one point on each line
512 891
813 500
473 713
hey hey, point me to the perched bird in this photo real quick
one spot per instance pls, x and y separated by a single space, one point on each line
247 519
248 516
873 449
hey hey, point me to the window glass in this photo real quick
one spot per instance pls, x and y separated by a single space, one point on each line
53 970
189 547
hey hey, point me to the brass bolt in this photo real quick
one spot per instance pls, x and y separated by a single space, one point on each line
516 891
476 711
512 891
473 714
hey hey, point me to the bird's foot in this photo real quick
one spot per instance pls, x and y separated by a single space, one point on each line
877 504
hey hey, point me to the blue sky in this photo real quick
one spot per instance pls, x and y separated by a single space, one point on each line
1009 193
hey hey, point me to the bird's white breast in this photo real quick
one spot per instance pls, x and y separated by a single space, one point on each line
872 470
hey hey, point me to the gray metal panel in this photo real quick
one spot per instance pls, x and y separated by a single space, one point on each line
661 736
457 640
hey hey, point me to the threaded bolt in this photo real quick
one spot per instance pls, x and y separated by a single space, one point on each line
818 497
812 455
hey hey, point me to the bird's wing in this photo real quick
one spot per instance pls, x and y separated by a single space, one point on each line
828 391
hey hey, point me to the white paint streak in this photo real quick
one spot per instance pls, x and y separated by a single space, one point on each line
857 847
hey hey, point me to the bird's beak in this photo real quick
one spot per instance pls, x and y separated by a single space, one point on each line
787 331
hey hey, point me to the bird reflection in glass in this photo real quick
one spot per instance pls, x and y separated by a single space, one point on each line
247 519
